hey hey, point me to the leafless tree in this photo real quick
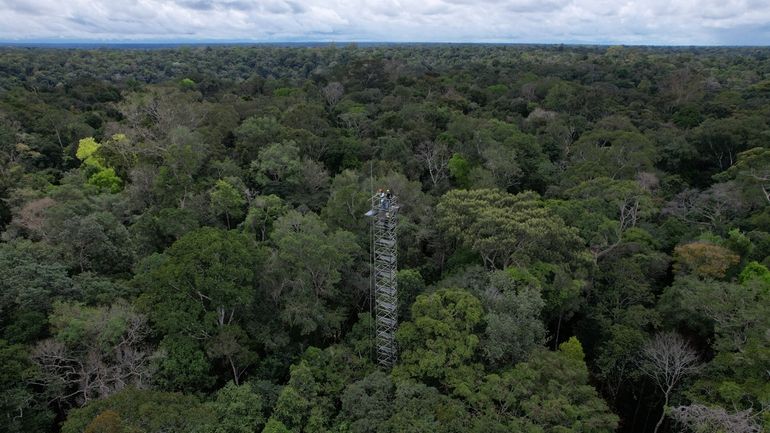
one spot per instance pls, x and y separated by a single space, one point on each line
435 157
667 359
698 417
710 208
30 219
98 365
629 209
648 181
332 93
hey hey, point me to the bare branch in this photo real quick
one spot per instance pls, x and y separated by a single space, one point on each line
667 359
698 418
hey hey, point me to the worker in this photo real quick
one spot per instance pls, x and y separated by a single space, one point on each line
381 196
387 196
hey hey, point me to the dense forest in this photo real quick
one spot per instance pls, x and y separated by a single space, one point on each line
584 239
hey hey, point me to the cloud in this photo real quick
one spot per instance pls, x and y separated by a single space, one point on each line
677 22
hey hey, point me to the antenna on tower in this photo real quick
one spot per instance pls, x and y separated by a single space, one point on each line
384 214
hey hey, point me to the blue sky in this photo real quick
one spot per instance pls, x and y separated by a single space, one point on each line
655 22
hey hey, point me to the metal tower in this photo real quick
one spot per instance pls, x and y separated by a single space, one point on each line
384 214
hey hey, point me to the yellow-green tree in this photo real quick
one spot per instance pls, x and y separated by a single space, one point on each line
96 170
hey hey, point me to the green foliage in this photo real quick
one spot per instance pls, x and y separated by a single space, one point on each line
348 200
205 274
31 277
616 154
187 84
308 401
460 170
238 409
755 272
182 366
20 410
738 318
278 164
513 326
255 133
99 175
441 338
368 403
506 229
606 211
752 173
410 285
262 214
308 265
201 288
227 200
141 411
549 392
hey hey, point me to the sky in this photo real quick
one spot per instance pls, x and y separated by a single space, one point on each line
633 22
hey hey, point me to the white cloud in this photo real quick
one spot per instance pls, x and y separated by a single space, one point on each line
569 21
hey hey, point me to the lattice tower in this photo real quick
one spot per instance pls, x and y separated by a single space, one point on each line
384 214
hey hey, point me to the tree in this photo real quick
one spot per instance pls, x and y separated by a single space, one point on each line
435 157
201 288
141 411
227 200
32 277
441 339
310 399
410 284
99 174
720 141
183 158
751 171
263 211
549 392
347 202
667 359
237 409
368 403
182 365
307 267
96 242
278 163
704 260
506 229
562 293
332 93
21 410
605 210
735 318
513 158
459 169
713 209
615 154
94 352
420 408
255 133
513 325
701 418
281 170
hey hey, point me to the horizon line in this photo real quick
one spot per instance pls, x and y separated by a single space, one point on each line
204 42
